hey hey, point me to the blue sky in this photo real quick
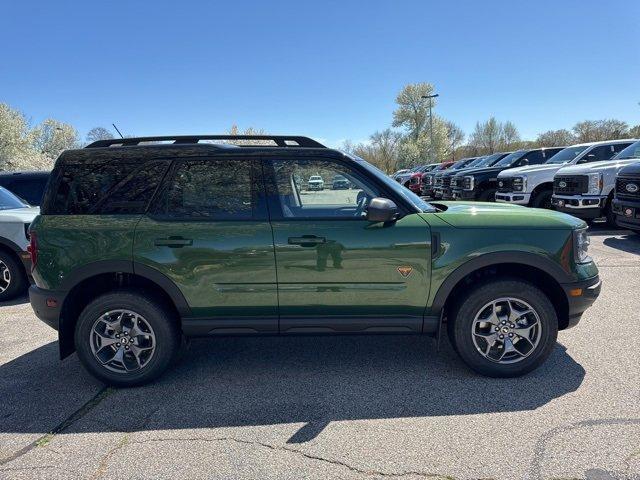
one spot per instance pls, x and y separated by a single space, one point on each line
326 69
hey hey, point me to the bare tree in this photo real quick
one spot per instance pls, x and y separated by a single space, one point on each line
98 133
455 137
555 138
52 137
486 136
510 137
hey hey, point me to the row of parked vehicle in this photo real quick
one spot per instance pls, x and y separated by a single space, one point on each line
589 180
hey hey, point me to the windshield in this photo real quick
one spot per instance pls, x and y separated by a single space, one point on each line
9 200
632 151
398 189
567 154
489 160
461 163
510 159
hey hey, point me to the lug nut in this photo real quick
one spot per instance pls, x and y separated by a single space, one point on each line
117 344
511 335
501 336
512 325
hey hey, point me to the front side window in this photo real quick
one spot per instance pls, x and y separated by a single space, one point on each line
298 198
534 157
212 189
599 153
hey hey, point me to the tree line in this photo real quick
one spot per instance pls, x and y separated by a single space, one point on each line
408 142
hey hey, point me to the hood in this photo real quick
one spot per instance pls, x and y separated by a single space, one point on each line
545 167
19 215
597 166
504 216
485 170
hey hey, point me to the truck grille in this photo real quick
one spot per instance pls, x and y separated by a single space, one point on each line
505 184
446 181
438 181
571 184
628 187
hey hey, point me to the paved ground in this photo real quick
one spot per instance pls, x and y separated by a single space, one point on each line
368 407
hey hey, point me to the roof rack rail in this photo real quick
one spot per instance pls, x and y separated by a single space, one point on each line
279 140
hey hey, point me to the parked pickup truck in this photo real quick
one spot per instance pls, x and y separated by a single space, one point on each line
482 184
533 185
449 176
626 201
586 191
438 179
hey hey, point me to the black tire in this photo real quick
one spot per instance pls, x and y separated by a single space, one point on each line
542 200
488 196
17 277
610 215
154 311
461 328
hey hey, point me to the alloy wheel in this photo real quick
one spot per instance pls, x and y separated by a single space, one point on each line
506 330
122 341
5 277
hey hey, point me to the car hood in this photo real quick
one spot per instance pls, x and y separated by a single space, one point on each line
502 216
552 167
597 166
483 171
19 215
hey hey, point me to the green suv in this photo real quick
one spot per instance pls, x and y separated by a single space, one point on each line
143 241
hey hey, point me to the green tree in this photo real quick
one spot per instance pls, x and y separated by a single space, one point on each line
412 110
16 149
52 137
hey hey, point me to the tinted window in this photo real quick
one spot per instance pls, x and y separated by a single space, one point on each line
534 157
104 186
297 200
8 200
631 150
567 154
596 154
214 189
29 189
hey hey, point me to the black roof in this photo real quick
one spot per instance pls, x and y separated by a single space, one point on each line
24 174
284 141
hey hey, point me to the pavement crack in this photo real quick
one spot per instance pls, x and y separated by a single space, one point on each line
540 447
352 468
44 440
104 461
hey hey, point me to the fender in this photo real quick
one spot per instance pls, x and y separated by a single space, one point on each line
126 266
524 258
9 244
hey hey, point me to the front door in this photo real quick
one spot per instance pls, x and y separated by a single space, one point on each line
209 233
338 272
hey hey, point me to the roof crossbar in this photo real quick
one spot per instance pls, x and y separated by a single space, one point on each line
278 140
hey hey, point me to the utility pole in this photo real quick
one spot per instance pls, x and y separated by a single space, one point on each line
431 97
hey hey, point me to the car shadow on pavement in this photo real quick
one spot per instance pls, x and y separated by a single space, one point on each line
22 299
628 243
267 381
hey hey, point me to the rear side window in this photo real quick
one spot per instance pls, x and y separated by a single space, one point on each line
214 189
104 186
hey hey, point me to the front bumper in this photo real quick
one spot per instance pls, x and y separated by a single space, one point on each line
460 194
517 198
584 207
47 305
627 213
581 296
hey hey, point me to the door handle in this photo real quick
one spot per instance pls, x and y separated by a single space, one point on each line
173 242
307 240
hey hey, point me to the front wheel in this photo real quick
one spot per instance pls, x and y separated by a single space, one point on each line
127 338
13 278
504 328
542 200
488 196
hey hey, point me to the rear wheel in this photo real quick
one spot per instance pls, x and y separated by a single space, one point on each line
504 328
127 338
13 278
542 199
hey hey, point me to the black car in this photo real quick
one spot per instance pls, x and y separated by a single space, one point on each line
340 183
480 162
626 202
482 184
438 184
29 186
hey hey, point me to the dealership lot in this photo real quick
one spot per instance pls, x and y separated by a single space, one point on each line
336 407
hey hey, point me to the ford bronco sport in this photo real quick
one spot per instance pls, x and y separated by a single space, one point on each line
139 244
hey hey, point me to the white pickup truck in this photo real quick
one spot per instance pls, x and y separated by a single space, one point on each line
533 185
586 191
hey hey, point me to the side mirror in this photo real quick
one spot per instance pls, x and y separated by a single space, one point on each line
524 161
381 210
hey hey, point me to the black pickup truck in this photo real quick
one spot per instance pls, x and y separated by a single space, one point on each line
626 202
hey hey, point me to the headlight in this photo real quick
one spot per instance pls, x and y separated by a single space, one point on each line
467 183
595 183
581 246
519 184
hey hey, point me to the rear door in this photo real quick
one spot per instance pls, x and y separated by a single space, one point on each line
209 233
338 272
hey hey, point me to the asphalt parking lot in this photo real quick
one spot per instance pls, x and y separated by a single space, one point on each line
348 407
